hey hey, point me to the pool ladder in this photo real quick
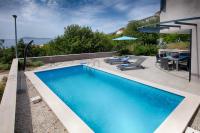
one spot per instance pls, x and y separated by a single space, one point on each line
89 69
90 65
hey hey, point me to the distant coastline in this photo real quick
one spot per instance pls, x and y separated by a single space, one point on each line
37 41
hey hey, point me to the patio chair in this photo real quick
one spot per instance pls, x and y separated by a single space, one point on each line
132 65
184 64
117 60
166 64
163 55
158 58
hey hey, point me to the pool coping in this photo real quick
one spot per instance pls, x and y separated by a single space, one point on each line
176 122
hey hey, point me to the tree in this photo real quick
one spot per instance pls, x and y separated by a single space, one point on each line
1 43
20 48
170 38
7 55
77 39
144 38
1 47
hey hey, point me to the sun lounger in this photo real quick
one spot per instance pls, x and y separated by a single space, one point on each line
132 65
117 60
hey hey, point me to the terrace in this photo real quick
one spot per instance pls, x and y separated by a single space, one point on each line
41 118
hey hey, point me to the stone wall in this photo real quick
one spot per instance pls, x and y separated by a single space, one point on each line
70 57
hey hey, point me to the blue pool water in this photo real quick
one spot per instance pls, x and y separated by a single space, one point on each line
108 103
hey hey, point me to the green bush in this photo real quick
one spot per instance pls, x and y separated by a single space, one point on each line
138 49
30 63
172 38
124 52
178 45
7 55
148 50
144 38
2 86
81 39
77 39
4 66
36 63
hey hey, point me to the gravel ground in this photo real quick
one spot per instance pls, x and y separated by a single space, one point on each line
195 122
3 75
35 118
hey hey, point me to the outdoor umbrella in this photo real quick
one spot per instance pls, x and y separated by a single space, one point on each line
124 38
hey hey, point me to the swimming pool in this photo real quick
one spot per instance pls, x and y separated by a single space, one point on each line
109 103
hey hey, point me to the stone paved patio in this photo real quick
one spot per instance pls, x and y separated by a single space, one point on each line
152 73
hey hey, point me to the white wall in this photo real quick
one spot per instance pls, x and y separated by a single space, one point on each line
178 9
195 60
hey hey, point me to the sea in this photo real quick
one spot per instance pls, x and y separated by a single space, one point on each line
37 41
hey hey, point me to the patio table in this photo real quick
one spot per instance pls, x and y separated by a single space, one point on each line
176 60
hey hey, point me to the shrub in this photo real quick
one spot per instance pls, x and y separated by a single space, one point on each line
77 39
124 52
7 55
2 86
178 45
37 63
30 63
4 66
170 38
147 50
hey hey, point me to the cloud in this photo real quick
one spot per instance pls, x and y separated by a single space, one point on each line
33 20
122 7
89 16
140 12
47 18
52 3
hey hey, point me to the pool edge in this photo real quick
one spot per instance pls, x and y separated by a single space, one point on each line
189 104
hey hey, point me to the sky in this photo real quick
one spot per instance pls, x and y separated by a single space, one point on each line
47 18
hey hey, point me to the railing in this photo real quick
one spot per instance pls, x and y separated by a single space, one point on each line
8 102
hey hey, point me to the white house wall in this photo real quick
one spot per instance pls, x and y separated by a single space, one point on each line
178 9
195 60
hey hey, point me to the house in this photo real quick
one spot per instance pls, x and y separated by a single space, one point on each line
181 16
119 31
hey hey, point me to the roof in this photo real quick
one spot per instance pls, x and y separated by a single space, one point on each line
171 25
